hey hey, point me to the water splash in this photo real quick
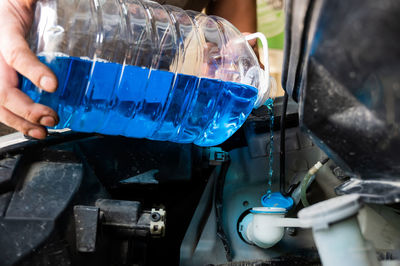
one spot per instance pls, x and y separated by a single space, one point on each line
270 106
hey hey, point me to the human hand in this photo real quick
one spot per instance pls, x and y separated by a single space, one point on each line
17 110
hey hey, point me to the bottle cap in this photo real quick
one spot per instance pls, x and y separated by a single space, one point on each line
277 200
268 210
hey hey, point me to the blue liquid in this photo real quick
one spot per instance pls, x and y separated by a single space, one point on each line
113 99
270 106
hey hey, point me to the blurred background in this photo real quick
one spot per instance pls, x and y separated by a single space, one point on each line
271 22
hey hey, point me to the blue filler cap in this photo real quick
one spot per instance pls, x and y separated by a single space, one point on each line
277 200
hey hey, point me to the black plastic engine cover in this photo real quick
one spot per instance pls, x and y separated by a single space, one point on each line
344 70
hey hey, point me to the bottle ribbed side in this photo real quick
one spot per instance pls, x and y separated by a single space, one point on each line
82 116
207 92
192 64
142 37
142 123
120 52
141 69
166 127
168 52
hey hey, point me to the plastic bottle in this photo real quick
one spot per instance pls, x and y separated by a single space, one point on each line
140 69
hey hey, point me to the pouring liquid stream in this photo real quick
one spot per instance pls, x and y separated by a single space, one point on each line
270 106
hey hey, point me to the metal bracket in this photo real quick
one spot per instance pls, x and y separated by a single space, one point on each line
157 222
116 217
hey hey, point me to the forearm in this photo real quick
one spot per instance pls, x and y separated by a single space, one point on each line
241 13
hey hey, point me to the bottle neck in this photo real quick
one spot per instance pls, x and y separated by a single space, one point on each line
265 91
267 85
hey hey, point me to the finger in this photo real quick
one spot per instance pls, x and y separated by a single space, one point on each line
8 76
20 104
16 53
12 120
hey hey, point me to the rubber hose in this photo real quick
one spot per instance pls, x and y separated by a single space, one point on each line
303 190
